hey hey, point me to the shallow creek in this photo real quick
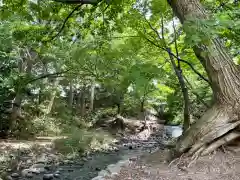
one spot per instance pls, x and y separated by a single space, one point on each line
98 165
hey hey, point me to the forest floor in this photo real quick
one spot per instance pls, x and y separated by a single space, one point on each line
217 166
136 157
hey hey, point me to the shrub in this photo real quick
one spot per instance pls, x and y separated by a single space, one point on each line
81 141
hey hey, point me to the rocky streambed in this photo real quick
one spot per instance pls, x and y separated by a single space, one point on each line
97 165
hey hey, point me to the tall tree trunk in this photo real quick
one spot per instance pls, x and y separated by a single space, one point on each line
82 101
142 103
119 98
16 107
70 95
178 72
53 96
216 126
25 65
44 82
143 100
92 95
16 103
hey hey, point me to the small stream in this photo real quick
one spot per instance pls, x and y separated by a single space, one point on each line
101 164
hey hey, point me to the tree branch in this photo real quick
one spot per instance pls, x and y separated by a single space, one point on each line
175 43
188 63
45 76
198 73
65 21
93 2
170 52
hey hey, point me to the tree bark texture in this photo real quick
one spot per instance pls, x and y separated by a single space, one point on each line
217 125
221 70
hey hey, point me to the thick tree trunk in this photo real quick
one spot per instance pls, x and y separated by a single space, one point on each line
216 127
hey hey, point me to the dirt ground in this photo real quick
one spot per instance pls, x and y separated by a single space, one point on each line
217 166
220 165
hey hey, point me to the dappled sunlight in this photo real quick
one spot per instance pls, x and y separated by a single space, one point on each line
110 89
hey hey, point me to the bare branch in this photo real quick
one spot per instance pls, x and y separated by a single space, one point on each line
188 63
175 43
198 73
162 25
170 52
65 21
46 76
156 32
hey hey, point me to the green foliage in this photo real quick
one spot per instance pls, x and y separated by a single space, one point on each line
113 46
82 141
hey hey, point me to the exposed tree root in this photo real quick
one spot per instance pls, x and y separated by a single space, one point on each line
214 129
212 136
223 140
195 156
176 159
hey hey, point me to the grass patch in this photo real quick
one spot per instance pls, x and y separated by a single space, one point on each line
82 141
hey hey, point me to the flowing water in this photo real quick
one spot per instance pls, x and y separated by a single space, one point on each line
102 164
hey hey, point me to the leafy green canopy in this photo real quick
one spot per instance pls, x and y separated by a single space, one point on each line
117 44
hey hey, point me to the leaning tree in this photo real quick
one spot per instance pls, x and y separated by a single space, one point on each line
216 126
219 124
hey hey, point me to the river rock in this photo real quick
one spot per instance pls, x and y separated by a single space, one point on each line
59 169
57 172
29 161
43 159
115 149
97 169
104 173
60 163
15 175
133 159
84 159
67 161
8 178
27 173
98 178
80 163
48 176
38 168
56 175
9 170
